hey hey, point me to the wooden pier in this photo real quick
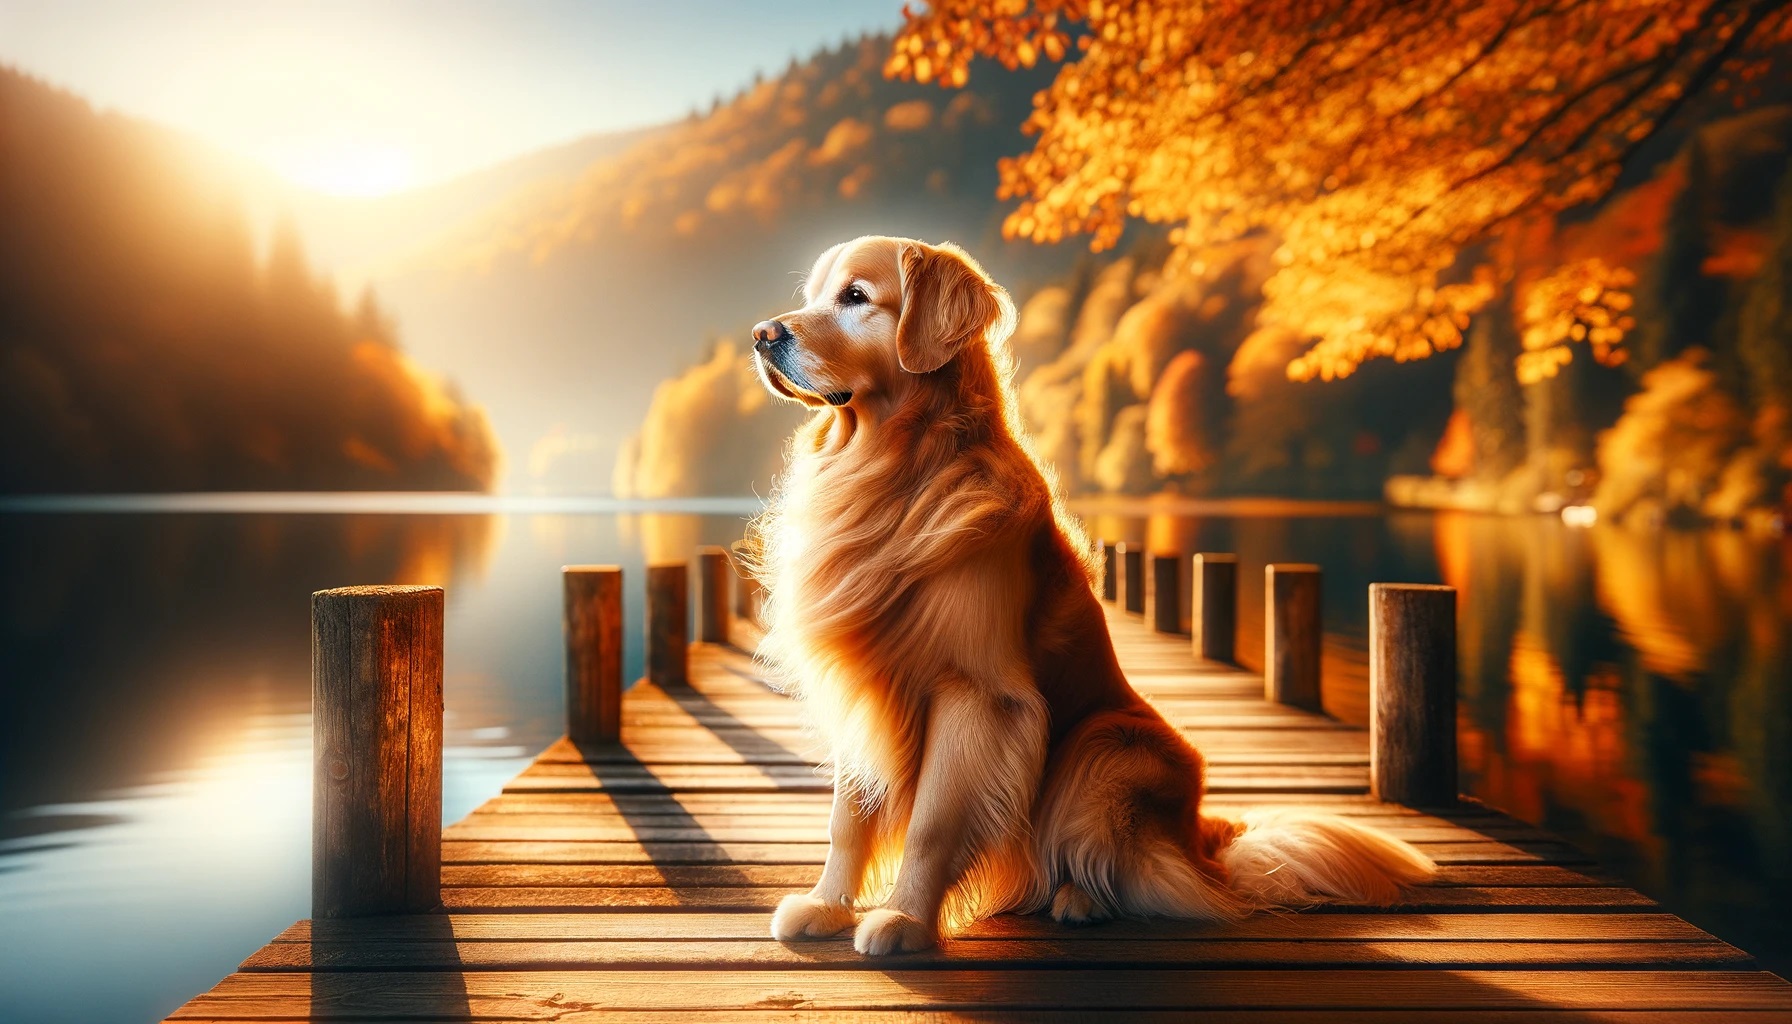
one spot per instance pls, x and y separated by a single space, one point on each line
633 881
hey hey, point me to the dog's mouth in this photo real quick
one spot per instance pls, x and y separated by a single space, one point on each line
777 361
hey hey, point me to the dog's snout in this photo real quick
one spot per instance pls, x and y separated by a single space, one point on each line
769 332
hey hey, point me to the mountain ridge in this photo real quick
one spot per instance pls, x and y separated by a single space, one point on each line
146 343
564 307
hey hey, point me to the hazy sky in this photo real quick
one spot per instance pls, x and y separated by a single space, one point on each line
377 95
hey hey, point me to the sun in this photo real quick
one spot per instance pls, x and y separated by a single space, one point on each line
346 168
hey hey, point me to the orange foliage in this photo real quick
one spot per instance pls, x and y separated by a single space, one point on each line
1736 252
1377 141
1580 301
1455 454
830 126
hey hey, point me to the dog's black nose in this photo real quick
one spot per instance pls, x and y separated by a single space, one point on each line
769 332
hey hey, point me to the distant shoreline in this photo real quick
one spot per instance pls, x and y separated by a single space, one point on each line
369 502
473 503
1177 504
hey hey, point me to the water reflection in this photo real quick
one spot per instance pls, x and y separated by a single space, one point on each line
1634 690
136 645
155 738
1631 690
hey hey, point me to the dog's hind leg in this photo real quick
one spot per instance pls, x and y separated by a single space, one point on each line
1113 821
831 907
980 769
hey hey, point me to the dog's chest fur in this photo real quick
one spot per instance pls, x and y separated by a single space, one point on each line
875 602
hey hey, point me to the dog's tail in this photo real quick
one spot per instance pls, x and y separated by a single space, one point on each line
1290 858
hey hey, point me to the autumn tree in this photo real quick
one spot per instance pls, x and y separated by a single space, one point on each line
1488 398
1765 335
1387 145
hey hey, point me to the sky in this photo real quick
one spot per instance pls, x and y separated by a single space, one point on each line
372 97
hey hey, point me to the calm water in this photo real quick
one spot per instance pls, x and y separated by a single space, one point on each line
1632 691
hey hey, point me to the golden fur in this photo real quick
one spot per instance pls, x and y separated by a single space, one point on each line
933 606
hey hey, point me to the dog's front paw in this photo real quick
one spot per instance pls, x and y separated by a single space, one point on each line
891 931
801 916
1072 905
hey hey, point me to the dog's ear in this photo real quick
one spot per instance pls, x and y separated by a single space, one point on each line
946 302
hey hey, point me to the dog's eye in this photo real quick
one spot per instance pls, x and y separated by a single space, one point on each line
854 296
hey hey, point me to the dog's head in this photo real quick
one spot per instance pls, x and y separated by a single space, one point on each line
879 316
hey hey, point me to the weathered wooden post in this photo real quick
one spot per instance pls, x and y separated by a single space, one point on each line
1412 694
591 623
668 612
376 736
713 573
1110 570
1291 635
1213 607
1166 593
1132 578
747 591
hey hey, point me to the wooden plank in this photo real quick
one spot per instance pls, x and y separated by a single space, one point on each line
765 899
1127 1016
787 876
1063 952
1410 827
633 883
628 852
626 777
561 995
811 827
795 737
696 801
747 748
753 746
1386 926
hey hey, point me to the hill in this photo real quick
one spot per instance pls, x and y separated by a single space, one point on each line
1153 373
144 346
570 302
355 239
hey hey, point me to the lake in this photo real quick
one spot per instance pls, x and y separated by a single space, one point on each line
1629 690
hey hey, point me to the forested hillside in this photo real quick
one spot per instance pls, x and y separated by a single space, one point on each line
571 302
146 345
1270 339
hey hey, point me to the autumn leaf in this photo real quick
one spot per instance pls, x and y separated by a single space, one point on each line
1380 142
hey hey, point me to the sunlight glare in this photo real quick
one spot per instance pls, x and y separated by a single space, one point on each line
345 167
1580 515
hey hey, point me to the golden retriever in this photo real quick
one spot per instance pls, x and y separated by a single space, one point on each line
933 606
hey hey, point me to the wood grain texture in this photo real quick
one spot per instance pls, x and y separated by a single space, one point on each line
1291 635
714 575
592 628
1213 605
698 926
668 623
376 698
1412 693
557 995
1131 561
633 882
1165 597
1064 951
1117 1015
